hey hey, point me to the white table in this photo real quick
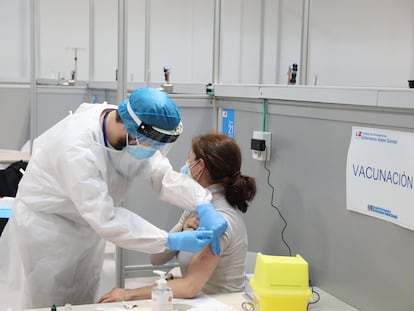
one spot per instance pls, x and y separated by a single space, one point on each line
234 300
11 156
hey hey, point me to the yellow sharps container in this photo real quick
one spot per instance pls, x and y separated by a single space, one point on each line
280 283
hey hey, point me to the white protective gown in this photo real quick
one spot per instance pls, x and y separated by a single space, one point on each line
67 205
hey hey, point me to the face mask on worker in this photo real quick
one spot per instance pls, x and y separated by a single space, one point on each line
140 150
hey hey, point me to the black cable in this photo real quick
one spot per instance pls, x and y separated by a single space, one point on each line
313 292
271 202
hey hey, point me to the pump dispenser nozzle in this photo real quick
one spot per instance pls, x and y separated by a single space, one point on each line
162 295
162 283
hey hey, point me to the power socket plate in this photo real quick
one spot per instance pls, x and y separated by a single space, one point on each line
263 155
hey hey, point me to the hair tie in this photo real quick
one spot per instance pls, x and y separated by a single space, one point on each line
236 174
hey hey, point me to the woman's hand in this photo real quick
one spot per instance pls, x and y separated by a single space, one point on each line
191 223
116 294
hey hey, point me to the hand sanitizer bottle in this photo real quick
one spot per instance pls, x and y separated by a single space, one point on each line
162 295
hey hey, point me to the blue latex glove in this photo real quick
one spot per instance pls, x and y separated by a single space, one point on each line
210 219
189 241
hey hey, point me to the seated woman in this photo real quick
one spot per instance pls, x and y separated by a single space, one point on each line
214 162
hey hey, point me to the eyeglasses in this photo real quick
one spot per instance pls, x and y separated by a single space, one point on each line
131 141
134 142
145 142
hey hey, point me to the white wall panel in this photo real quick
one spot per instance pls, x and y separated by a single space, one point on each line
105 43
14 41
136 41
63 26
181 34
362 43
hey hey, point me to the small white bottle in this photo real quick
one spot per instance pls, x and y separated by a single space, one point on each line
162 296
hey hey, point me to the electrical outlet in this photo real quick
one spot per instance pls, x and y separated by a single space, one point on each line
262 155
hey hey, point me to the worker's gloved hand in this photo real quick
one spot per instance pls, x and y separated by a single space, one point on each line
210 219
189 241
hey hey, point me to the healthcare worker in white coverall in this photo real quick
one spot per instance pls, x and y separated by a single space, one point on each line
67 203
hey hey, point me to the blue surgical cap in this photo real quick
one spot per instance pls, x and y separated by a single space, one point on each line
152 107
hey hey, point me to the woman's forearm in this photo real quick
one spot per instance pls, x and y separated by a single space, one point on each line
139 293
185 289
181 288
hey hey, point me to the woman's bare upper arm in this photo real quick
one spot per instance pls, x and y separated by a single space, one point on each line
202 266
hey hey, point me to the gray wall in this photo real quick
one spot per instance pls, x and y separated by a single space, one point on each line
364 261
361 260
54 103
14 116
